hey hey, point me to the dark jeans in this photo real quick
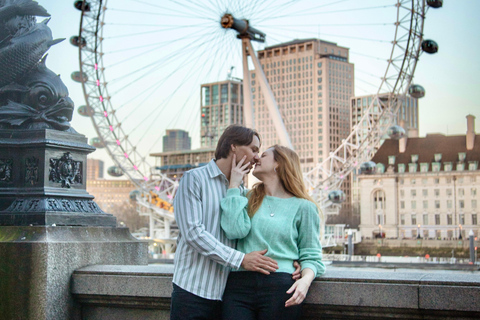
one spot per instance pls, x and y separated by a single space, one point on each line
252 295
186 305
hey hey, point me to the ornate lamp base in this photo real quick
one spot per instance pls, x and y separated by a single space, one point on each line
43 180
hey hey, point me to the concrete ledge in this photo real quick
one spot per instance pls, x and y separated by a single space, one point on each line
143 292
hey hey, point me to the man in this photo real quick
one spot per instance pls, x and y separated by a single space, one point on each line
204 255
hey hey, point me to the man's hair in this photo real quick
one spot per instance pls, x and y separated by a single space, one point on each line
234 134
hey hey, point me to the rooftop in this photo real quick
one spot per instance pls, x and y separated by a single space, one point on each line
426 148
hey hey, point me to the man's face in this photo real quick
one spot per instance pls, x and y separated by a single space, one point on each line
251 151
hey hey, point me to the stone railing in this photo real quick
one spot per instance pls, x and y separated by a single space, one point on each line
143 292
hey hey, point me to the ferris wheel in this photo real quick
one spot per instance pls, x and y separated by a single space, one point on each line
142 63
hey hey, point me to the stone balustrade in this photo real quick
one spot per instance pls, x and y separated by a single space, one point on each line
143 292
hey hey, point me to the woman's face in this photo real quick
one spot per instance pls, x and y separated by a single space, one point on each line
265 165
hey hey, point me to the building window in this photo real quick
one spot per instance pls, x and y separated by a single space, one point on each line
436 192
474 219
437 157
401 168
461 218
402 204
449 219
413 193
402 193
425 204
414 219
461 204
412 167
423 167
461 192
402 219
460 166
461 156
414 205
436 180
424 181
437 219
379 199
425 219
449 204
472 165
391 160
413 181
447 166
449 192
435 167
425 192
473 191
437 204
474 204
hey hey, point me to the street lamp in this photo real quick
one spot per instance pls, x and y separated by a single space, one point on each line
418 232
380 229
460 236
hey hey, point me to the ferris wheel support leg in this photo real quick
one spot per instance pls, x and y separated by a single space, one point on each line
168 246
269 99
247 87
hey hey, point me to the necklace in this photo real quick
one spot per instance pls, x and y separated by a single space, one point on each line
272 213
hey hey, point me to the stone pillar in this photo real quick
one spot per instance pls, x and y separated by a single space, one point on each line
50 226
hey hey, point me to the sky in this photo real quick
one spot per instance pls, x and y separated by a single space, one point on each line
449 77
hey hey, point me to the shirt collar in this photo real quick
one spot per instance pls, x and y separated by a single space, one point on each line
213 169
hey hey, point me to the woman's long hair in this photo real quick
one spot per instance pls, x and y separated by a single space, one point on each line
290 175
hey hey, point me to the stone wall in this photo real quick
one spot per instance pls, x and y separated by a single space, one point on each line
143 292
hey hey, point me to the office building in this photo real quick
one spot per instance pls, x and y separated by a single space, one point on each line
312 81
176 140
222 105
95 169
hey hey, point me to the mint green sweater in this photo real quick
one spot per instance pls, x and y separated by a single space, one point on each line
288 228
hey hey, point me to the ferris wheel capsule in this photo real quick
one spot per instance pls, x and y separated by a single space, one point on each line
79 5
416 91
85 111
429 46
115 171
78 41
336 196
435 3
97 143
396 132
368 167
133 195
78 76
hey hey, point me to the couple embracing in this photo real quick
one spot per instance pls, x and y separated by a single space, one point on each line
245 254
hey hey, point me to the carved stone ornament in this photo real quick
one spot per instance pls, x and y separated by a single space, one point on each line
6 170
65 171
54 205
31 170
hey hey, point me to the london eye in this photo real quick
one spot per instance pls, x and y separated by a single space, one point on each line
142 63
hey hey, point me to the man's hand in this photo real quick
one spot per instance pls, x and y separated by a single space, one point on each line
297 274
256 261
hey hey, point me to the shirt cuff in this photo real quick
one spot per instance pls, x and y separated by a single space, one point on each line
233 192
309 265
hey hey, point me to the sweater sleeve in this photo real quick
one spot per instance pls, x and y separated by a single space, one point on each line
310 249
235 220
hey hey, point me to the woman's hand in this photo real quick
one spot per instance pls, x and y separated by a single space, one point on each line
300 288
238 171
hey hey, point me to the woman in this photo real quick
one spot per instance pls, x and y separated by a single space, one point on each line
278 215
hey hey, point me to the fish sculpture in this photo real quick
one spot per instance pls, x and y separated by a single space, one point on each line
31 95
40 101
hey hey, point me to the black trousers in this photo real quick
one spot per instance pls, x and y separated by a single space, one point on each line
186 306
252 295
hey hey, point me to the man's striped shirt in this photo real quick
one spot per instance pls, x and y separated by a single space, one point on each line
204 255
